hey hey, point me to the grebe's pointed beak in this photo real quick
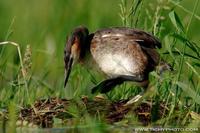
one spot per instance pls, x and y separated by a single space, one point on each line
68 58
68 65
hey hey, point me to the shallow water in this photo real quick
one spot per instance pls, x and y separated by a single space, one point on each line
78 129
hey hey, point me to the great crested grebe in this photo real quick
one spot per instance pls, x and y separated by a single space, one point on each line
123 54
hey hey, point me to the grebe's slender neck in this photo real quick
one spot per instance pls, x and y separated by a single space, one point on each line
85 47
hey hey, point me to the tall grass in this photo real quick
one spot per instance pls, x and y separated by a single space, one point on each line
26 76
177 87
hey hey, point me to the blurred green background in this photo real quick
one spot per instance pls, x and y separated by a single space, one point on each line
45 24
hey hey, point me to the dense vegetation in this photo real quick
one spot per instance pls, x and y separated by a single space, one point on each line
32 66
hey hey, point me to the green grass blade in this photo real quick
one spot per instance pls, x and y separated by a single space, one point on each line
190 92
176 21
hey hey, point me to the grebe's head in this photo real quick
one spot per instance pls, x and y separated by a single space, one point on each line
74 47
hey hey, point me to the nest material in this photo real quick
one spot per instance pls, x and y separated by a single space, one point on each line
43 112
